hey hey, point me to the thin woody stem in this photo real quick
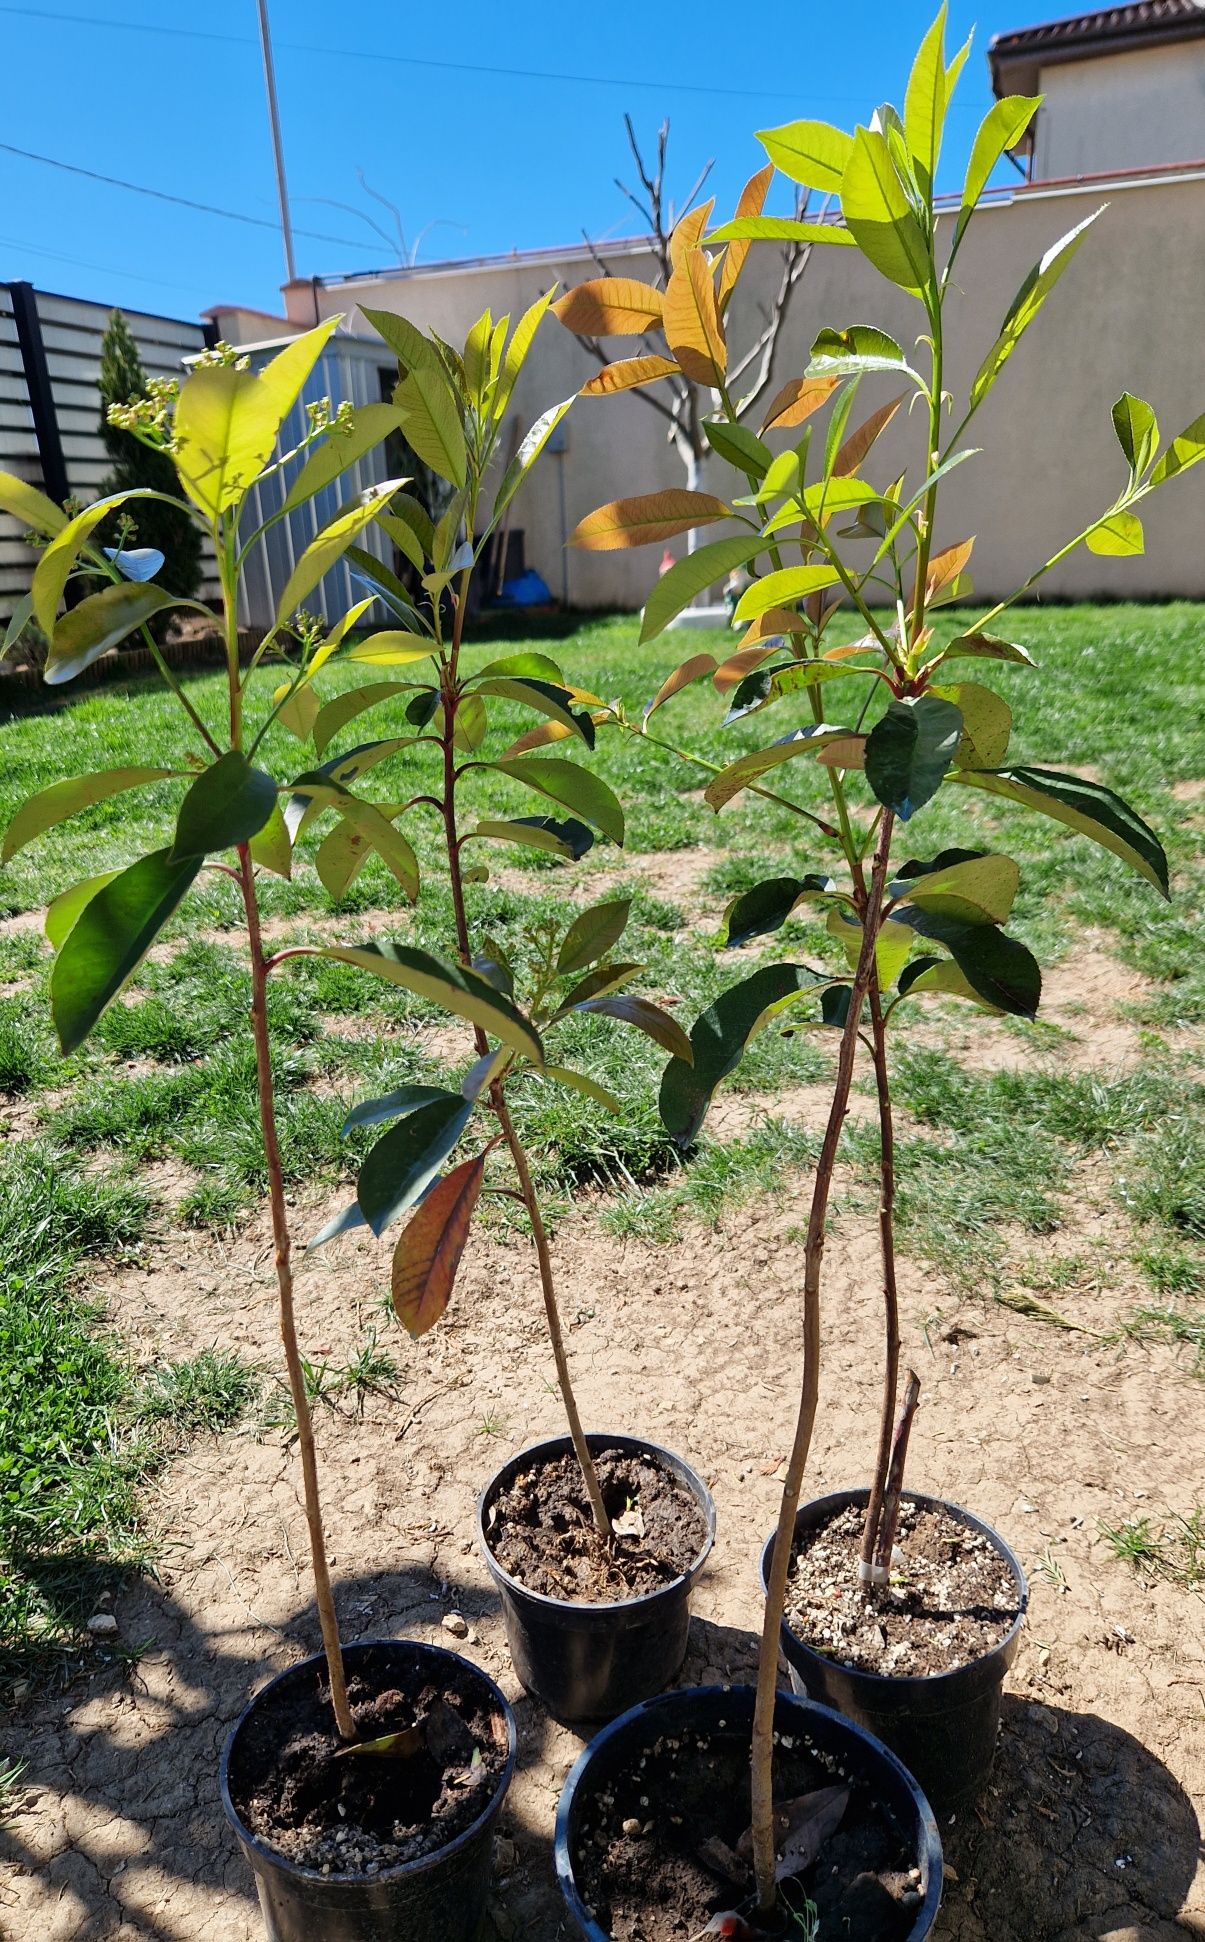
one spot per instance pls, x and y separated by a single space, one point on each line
776 1591
895 1474
891 1311
288 1324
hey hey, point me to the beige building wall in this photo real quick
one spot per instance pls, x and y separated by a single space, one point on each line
1127 314
1129 110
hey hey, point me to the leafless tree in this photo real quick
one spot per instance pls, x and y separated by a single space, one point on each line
682 409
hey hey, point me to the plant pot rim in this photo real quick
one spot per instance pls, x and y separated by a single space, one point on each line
904 1682
598 1441
402 1869
929 1850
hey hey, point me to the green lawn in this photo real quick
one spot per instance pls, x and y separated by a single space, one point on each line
169 1071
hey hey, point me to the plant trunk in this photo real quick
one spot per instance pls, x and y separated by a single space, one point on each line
556 1336
776 1593
893 1489
288 1324
891 1311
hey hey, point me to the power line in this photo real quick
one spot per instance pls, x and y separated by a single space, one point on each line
407 60
82 263
162 195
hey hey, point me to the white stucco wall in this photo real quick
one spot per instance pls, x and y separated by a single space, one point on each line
1132 110
1126 315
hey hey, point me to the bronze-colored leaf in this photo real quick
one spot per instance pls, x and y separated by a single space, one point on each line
738 665
692 320
944 567
688 234
858 444
428 1254
610 306
797 401
652 516
775 620
626 373
695 669
539 737
752 202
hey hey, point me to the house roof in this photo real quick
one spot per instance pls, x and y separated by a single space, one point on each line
1016 58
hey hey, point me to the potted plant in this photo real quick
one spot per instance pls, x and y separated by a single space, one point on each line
362 1784
594 1541
817 540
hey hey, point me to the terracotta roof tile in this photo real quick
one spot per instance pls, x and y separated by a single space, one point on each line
1148 19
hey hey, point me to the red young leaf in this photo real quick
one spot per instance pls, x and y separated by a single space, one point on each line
428 1254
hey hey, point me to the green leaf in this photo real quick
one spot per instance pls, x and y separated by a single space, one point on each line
110 937
576 789
227 805
1026 305
876 209
718 1038
967 885
401 1166
433 421
925 103
451 986
848 353
987 722
54 568
767 906
779 229
765 686
53 806
748 768
1001 129
271 848
1000 970
61 914
404 537
102 620
516 351
893 946
592 934
812 153
647 1018
226 421
391 648
1087 807
340 450
522 667
909 751
343 853
1188 449
344 708
31 507
690 576
1137 431
1120 535
18 621
527 454
395 1105
544 697
332 542
568 839
589 1088
738 446
408 344
787 584
596 984
986 647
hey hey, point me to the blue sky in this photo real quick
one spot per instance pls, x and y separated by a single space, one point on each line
171 97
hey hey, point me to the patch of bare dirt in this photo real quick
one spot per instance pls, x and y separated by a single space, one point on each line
1089 1829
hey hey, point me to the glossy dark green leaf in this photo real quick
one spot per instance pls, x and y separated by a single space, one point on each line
739 446
394 1105
596 984
909 752
111 936
228 804
749 769
522 667
401 1166
546 699
845 353
450 986
719 1037
996 966
1087 807
767 906
592 934
765 686
568 839
576 789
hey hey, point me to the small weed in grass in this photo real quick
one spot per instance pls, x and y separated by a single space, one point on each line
23 1061
11 1772
1164 1176
212 1391
1174 1550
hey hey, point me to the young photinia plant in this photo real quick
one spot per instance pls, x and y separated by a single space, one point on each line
455 406
818 539
221 428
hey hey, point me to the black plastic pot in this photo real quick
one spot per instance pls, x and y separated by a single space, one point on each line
853 1754
589 1662
942 1725
438 1898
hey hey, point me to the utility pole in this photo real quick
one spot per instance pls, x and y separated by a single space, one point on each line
286 226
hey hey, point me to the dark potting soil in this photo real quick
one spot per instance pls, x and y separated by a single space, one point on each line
951 1599
664 1848
541 1530
348 1813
